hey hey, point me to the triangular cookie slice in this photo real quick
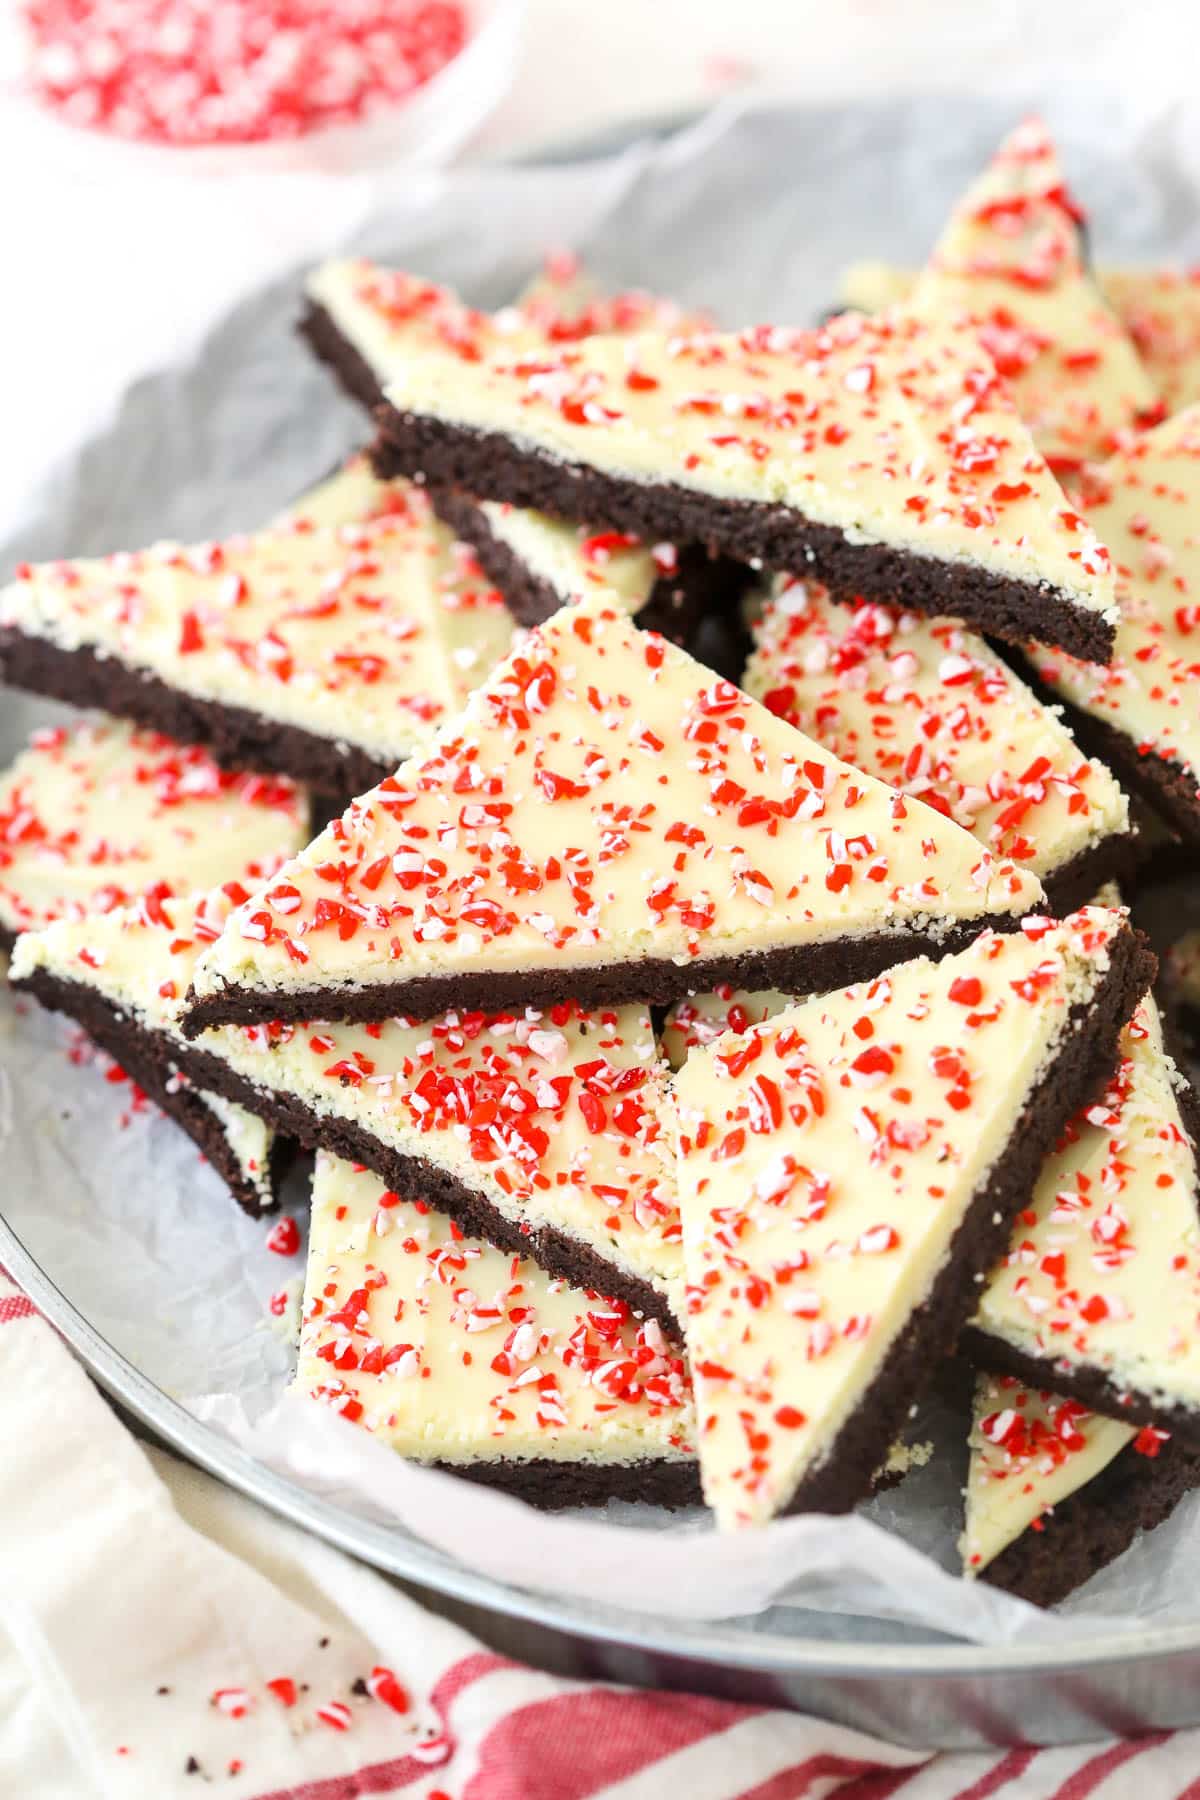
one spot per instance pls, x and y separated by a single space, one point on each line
925 705
847 1172
1055 1492
883 454
1013 260
118 975
1098 1295
366 320
1143 709
542 1131
474 1360
607 821
326 653
95 814
1158 307
538 564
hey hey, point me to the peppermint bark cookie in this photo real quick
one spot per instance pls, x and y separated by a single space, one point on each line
849 1169
1141 713
1098 1294
118 975
365 321
471 1359
883 455
95 815
609 822
327 654
925 705
542 1132
1054 1492
1158 307
538 564
1012 260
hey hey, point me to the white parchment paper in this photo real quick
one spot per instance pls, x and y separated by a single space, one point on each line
752 215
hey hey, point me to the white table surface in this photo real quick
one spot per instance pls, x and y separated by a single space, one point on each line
110 269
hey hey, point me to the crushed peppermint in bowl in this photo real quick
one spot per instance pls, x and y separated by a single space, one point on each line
412 77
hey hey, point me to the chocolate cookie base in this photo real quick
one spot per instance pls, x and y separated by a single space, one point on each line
1093 1526
674 606
235 737
1093 1386
1085 1060
554 1486
652 981
352 371
148 1058
1076 882
494 467
404 1173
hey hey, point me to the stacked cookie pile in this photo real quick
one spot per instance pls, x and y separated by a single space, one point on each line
698 1050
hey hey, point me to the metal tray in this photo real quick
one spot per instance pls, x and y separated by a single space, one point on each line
908 1689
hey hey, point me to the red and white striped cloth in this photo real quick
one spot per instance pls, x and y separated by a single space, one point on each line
159 1634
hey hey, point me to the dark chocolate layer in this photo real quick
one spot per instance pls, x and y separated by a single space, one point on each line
403 1173
1085 1060
1076 882
354 374
148 1058
653 981
553 1486
1089 1384
674 605
236 737
494 467
1092 1527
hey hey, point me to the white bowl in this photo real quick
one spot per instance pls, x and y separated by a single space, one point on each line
421 131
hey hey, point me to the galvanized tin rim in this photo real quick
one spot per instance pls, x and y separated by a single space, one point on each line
399 1554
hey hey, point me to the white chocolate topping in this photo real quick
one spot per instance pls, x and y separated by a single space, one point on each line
451 1351
574 559
604 798
1146 501
368 635
571 559
1103 1272
555 1117
390 316
1029 1451
924 704
140 959
92 816
252 1142
1012 260
1159 308
894 431
827 1158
